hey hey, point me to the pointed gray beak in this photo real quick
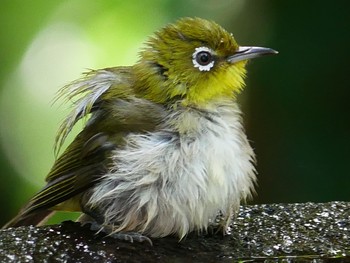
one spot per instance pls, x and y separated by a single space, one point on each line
245 53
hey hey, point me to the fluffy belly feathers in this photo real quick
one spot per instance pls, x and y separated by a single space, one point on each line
176 179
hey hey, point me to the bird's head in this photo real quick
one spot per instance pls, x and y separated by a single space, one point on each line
193 61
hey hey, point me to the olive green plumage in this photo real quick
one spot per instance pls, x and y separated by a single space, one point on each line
163 140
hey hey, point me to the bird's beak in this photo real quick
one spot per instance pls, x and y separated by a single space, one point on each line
245 53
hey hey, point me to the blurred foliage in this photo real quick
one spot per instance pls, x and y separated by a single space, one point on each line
296 104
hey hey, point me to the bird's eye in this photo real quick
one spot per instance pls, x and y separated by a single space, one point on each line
203 58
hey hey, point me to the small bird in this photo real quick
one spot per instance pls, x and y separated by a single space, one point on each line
163 149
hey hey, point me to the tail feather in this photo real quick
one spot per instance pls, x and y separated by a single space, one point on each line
26 219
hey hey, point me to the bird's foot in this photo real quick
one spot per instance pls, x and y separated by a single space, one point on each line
131 237
124 236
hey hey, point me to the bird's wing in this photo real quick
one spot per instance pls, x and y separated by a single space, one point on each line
86 159
88 92
79 168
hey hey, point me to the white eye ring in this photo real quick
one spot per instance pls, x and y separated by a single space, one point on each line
207 54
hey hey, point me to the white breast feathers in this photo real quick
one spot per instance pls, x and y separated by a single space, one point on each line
176 179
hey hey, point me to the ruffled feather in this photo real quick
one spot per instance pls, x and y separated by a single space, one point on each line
84 93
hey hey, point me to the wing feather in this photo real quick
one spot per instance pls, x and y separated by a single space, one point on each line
106 93
84 93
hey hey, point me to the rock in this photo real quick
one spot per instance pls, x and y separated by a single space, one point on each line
274 232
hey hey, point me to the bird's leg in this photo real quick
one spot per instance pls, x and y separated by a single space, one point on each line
225 222
222 222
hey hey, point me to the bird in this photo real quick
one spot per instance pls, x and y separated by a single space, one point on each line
163 148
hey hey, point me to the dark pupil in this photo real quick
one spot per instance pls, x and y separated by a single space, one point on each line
203 58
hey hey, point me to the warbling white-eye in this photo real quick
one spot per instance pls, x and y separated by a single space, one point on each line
164 148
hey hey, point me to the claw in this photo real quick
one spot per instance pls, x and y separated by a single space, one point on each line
124 236
131 237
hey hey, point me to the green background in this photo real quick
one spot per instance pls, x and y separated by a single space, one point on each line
296 105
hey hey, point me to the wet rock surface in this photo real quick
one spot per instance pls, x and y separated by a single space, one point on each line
305 232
